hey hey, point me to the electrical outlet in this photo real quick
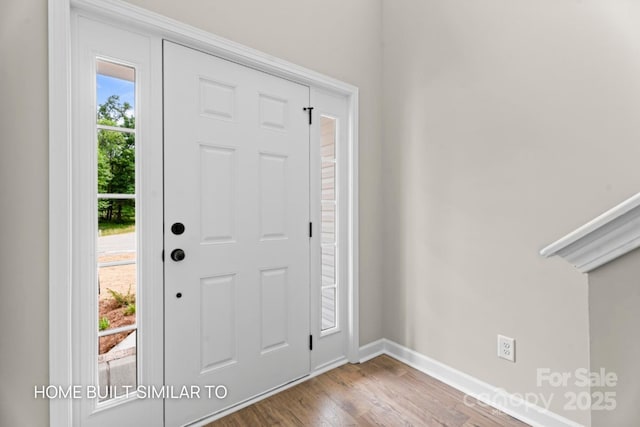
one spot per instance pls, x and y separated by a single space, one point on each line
506 348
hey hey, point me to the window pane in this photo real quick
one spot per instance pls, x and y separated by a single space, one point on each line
328 265
117 272
115 217
328 181
329 226
328 223
116 213
116 162
117 295
117 287
115 85
117 367
328 308
328 137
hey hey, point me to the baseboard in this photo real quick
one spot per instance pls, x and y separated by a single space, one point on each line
487 393
371 350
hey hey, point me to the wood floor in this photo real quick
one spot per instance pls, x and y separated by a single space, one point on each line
380 392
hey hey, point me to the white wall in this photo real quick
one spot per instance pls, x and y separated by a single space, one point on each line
506 125
614 316
24 317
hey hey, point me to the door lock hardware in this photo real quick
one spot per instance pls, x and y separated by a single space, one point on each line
177 255
177 228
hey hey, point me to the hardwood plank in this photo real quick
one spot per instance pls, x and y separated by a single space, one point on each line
380 392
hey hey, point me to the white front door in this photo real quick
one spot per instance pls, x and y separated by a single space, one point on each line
236 212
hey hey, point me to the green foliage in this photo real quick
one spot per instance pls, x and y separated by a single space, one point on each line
116 161
116 112
104 169
130 310
103 323
123 300
109 228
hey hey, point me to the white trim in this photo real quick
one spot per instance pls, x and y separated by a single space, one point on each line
353 232
116 129
107 332
179 32
480 390
60 361
371 350
249 402
116 196
60 325
607 237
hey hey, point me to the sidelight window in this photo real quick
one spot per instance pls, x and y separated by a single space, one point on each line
329 225
117 272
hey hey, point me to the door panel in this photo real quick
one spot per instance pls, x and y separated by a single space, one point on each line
237 177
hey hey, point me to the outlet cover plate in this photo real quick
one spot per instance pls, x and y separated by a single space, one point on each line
507 348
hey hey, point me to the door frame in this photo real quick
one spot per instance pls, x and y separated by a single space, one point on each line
60 165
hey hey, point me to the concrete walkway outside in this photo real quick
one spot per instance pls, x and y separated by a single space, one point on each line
116 243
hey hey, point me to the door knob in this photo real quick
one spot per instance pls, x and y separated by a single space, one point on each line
177 255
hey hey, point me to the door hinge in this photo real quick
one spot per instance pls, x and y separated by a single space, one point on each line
162 255
310 230
310 342
309 109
